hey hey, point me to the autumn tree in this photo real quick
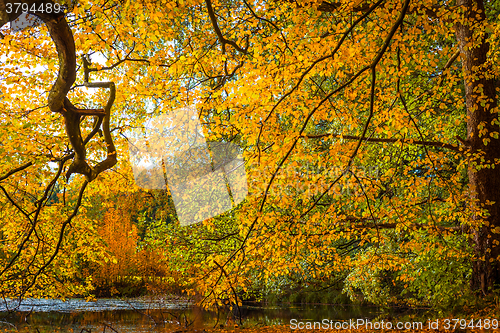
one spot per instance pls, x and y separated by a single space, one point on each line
369 128
33 237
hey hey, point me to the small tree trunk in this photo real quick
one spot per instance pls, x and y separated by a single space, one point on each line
481 103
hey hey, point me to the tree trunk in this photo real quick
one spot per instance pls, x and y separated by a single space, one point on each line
481 103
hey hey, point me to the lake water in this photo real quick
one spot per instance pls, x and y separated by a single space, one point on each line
155 315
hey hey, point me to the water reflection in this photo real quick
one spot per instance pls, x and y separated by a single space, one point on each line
104 304
156 315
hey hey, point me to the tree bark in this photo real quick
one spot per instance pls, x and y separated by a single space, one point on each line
481 104
62 36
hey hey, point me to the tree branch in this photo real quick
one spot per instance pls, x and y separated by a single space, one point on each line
13 171
61 236
384 140
414 225
222 40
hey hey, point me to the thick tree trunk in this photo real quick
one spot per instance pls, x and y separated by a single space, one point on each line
480 94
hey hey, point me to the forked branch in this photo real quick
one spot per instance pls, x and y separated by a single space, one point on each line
58 101
222 40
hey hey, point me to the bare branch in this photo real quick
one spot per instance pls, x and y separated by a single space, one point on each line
111 159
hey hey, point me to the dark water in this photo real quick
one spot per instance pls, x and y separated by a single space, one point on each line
155 315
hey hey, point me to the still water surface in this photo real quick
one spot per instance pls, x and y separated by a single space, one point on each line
143 315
